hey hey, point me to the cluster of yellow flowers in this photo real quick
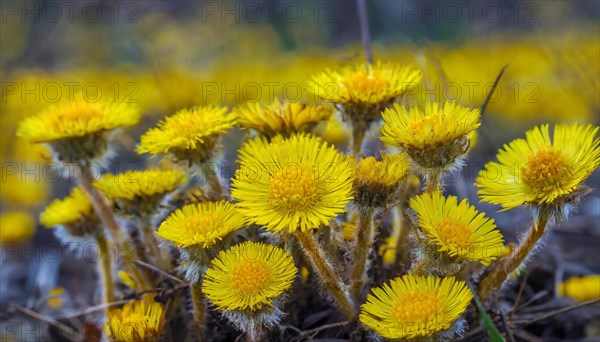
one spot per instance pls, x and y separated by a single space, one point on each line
297 201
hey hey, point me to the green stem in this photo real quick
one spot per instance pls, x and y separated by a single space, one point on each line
496 278
364 243
199 307
105 269
331 280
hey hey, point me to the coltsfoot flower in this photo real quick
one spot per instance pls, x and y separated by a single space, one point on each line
140 320
458 229
190 135
248 277
201 224
74 212
140 191
281 117
364 91
17 226
298 183
581 289
76 130
377 182
435 137
409 306
540 171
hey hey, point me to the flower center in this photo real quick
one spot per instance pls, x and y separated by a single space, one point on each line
202 223
547 168
363 82
249 277
293 187
426 126
455 233
416 307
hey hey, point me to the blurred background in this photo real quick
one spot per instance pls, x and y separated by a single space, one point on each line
166 55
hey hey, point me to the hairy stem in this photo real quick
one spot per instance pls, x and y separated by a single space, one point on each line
161 259
254 332
365 34
105 269
199 307
216 189
506 266
364 243
107 217
324 269
400 233
434 181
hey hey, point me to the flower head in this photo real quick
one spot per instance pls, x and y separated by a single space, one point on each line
435 137
76 130
140 191
377 182
298 183
415 306
248 277
581 289
77 119
190 134
458 229
201 224
541 171
16 226
74 212
281 117
364 91
140 320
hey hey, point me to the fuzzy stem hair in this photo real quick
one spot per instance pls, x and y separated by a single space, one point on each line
506 266
324 269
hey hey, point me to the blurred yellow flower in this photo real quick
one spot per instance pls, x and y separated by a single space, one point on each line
299 183
126 279
16 226
76 119
189 134
458 228
67 211
140 320
248 276
56 297
411 306
201 224
281 117
140 185
581 289
434 137
539 170
24 187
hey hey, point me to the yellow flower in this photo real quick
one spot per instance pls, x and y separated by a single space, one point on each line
140 192
364 91
377 182
77 119
16 226
410 306
349 231
25 188
140 320
332 131
248 276
458 228
126 279
581 289
68 211
281 117
539 170
201 224
434 137
298 183
189 134
56 297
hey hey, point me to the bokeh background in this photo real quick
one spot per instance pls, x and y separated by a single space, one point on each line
166 55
